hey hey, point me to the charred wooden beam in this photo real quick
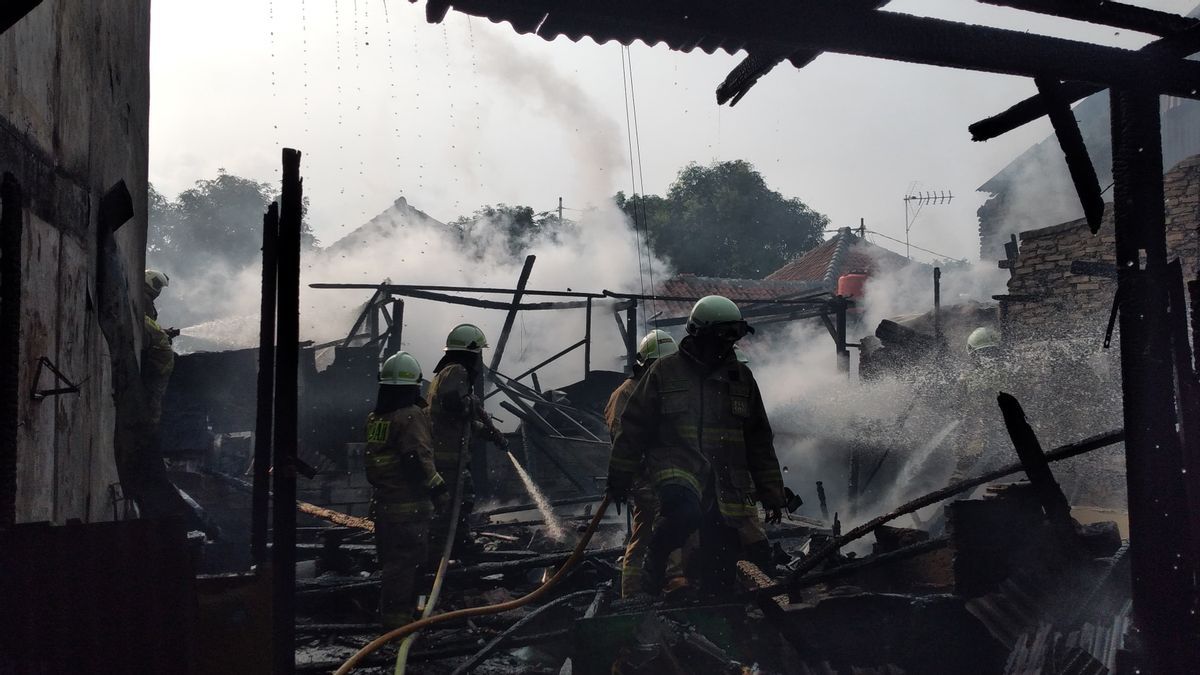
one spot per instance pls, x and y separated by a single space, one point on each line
498 351
1060 453
546 362
1160 551
510 566
1079 163
12 222
403 289
1033 460
1179 46
1189 395
265 399
283 553
759 62
1105 12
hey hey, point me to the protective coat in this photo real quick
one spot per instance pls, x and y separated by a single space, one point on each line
702 428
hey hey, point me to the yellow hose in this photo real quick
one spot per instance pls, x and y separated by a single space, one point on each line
487 609
447 549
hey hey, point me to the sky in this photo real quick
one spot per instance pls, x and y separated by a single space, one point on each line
455 115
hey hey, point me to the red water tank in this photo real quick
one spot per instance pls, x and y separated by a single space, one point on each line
851 285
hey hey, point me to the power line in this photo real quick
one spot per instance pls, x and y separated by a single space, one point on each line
900 241
642 182
632 176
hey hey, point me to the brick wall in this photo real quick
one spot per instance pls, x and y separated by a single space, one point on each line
1079 304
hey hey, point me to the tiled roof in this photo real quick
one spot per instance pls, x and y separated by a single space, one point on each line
844 253
743 291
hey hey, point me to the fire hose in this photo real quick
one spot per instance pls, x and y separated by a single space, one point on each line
467 612
447 548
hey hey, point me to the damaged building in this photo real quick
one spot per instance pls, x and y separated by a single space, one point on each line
1031 509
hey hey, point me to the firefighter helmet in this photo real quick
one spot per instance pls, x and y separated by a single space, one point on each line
155 282
984 337
656 344
466 337
713 311
400 368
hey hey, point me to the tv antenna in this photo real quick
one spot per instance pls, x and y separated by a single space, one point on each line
915 201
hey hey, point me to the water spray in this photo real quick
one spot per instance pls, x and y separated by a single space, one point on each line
554 527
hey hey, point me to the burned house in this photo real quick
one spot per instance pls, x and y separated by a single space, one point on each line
1006 578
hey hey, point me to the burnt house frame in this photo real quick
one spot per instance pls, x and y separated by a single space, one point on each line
1156 361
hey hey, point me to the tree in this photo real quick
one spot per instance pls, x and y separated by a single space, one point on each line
517 226
722 220
216 220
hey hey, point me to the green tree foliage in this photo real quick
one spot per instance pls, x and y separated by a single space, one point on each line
216 221
722 220
515 227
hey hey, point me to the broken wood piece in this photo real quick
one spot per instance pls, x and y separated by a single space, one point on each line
1034 462
1070 139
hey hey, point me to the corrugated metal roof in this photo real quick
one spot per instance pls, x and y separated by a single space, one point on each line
661 21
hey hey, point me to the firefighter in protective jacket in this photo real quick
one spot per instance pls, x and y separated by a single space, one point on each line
453 410
399 466
655 344
696 425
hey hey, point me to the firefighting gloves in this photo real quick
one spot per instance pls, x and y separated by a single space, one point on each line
619 484
440 494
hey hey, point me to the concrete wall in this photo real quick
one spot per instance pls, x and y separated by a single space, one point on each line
1080 304
74 116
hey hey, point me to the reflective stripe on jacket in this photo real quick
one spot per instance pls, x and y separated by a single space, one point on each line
399 464
688 425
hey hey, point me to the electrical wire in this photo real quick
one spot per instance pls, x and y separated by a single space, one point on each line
632 175
898 241
642 183
421 624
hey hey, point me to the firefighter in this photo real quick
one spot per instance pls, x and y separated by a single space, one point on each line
655 344
453 407
400 468
755 546
981 431
158 359
695 423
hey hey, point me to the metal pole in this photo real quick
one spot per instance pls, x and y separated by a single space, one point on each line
266 383
1162 573
587 336
937 303
283 552
843 354
631 335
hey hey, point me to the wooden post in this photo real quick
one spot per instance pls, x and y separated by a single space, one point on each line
11 226
287 359
1162 571
260 498
512 312
397 329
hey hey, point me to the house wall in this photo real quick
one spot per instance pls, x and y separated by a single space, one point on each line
74 117
1080 304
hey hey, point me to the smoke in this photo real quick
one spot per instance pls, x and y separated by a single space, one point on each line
408 247
917 427
592 138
